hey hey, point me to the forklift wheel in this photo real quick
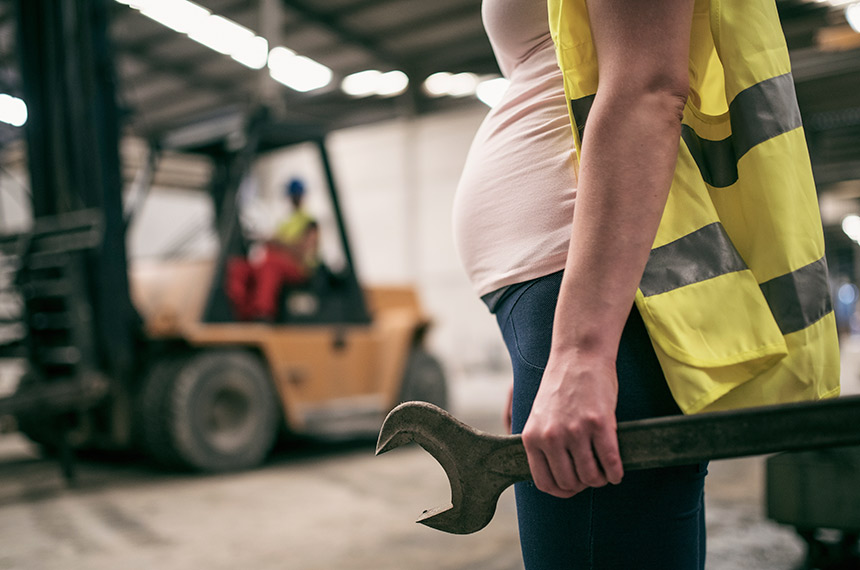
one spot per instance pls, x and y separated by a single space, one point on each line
219 412
152 432
424 380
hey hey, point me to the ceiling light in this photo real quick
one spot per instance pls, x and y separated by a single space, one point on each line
490 91
374 82
851 227
178 15
453 85
12 110
297 72
279 56
361 84
220 34
392 83
437 84
463 84
229 38
253 53
852 14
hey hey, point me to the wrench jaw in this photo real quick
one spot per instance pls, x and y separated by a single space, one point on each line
456 520
455 446
413 422
406 424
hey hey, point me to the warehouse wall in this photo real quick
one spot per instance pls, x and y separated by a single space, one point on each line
398 181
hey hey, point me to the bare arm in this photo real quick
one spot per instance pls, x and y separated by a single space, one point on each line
626 168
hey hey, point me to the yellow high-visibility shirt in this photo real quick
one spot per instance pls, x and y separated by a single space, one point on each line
291 230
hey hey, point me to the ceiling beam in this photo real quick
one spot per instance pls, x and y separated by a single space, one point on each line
357 7
332 23
410 26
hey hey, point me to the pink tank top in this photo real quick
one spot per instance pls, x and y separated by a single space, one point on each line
514 204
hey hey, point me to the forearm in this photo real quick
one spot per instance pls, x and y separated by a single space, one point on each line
625 173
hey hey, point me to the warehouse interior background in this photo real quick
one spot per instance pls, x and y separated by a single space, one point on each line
396 156
400 87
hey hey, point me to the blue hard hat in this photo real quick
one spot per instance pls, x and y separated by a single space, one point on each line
295 187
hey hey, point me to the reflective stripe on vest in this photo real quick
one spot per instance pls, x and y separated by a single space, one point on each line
758 113
797 299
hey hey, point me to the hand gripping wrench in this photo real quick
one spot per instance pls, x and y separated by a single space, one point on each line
481 465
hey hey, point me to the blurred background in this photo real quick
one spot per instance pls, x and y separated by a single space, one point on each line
226 253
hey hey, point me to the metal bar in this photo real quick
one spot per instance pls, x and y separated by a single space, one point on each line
59 396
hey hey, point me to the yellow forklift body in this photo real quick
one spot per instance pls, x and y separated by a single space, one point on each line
321 372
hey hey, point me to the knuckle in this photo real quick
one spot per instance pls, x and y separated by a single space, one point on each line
553 435
591 421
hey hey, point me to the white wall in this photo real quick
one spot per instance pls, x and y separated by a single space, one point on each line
397 183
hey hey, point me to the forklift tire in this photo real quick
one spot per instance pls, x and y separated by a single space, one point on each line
424 379
218 412
152 432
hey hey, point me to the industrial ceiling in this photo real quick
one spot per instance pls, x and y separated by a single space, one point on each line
166 79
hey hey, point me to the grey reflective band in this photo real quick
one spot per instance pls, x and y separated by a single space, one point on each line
580 108
699 255
800 298
796 299
758 113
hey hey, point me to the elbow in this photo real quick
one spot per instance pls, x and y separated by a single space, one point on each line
660 95
666 95
674 97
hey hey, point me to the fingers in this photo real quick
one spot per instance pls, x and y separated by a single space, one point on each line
606 449
544 479
563 466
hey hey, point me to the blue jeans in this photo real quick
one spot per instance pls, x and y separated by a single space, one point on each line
655 518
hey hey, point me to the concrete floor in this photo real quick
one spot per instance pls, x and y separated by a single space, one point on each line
311 507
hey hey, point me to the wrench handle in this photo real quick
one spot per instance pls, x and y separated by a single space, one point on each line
683 440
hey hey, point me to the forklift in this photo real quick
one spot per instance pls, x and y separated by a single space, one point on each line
149 356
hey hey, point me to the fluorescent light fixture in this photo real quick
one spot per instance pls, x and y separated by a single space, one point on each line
374 82
12 110
463 84
490 91
223 35
453 85
437 84
279 56
297 72
852 14
392 83
179 15
851 226
243 45
253 53
361 84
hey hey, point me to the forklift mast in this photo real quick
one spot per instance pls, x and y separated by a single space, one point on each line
80 322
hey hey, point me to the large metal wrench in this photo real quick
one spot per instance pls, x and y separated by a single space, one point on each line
480 465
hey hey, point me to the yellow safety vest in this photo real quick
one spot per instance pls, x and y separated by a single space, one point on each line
735 294
293 228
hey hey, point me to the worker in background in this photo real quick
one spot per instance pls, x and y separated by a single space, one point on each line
288 258
292 230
